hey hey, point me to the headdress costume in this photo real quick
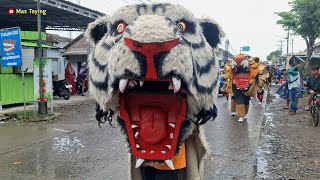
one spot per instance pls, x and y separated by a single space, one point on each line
154 68
263 82
242 72
225 86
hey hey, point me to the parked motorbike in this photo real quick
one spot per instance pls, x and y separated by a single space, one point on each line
62 89
79 86
79 82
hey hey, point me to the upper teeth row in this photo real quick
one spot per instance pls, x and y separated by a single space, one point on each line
176 84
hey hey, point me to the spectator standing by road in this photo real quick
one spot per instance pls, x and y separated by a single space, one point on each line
312 84
279 74
82 77
70 76
294 83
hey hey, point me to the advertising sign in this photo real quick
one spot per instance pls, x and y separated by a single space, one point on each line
245 48
47 80
10 47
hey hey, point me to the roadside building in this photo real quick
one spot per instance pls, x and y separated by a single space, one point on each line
300 57
56 55
222 57
10 77
76 52
61 15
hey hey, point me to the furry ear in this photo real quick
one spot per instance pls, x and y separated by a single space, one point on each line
96 30
211 31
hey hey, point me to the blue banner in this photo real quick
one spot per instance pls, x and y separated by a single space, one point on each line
245 48
10 47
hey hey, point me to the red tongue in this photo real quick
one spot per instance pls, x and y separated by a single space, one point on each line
153 124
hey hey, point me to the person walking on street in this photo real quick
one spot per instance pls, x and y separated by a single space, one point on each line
294 81
313 84
70 77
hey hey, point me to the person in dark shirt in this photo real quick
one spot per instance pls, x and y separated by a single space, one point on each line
313 84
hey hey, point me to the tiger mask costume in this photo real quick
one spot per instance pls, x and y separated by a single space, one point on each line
155 64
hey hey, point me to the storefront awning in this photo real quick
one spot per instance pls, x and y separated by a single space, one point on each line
34 44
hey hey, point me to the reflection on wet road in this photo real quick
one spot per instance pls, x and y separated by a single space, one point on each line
75 148
65 144
233 144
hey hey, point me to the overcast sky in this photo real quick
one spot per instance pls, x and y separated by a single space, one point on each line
245 22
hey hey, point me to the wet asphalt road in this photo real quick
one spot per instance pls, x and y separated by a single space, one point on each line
233 144
74 147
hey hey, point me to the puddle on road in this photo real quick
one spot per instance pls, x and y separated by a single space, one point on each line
268 120
263 151
262 164
65 144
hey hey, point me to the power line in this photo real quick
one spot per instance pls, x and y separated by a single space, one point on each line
125 1
232 49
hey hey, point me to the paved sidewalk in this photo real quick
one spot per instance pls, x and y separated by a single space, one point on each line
56 102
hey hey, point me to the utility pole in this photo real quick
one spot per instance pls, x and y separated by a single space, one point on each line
288 41
292 46
227 50
281 46
42 105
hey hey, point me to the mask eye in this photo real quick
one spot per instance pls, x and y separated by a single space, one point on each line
121 27
182 27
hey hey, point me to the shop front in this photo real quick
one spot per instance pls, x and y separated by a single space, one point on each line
11 83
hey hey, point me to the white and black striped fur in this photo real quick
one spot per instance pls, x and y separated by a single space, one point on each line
193 60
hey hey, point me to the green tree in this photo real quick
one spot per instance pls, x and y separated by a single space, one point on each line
303 19
274 56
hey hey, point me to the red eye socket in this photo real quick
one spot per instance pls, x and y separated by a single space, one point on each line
121 27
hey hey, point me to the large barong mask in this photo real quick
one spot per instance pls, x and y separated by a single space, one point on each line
154 65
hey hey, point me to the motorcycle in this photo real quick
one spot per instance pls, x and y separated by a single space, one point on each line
79 82
79 86
62 89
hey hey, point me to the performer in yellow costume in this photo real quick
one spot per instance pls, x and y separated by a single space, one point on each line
263 83
242 72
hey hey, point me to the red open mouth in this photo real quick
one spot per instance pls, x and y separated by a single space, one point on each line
153 116
242 81
153 110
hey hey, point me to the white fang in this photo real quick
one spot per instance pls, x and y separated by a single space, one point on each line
123 84
139 162
176 84
169 163
136 135
172 125
133 126
168 146
141 83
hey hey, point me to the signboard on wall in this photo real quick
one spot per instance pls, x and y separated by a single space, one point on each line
10 47
47 80
245 48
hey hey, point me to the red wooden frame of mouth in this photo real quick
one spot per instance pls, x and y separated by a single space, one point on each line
153 123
